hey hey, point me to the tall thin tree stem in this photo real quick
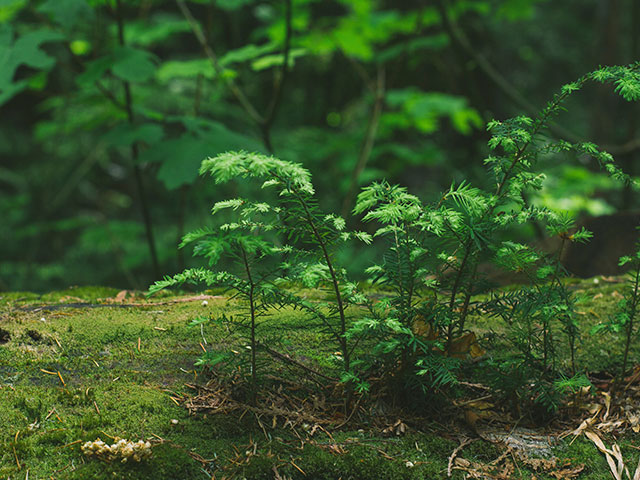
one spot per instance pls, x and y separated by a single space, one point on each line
144 207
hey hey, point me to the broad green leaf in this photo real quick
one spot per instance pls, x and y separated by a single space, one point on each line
27 51
12 90
358 33
132 64
216 133
67 12
124 134
269 61
6 36
185 69
37 81
460 7
181 157
423 110
230 4
465 120
353 44
154 30
24 51
9 8
318 43
181 160
517 9
94 70
246 53
431 42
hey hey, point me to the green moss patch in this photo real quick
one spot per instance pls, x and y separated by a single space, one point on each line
72 375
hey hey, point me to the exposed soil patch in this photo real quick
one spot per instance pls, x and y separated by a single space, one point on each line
34 335
113 303
5 336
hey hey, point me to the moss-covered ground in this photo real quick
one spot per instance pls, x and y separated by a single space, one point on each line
77 373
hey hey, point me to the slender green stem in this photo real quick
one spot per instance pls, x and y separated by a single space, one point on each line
405 305
308 218
467 300
632 313
334 280
144 207
454 291
252 309
500 192
342 339
399 266
411 285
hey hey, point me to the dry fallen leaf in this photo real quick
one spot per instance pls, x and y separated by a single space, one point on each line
398 428
616 469
607 404
420 328
569 472
120 297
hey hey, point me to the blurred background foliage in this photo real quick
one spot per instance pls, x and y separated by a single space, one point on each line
109 106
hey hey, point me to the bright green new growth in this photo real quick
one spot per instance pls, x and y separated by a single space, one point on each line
294 216
625 319
412 337
244 244
301 221
628 307
407 359
435 250
292 178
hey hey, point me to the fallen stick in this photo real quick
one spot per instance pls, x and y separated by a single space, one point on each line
463 443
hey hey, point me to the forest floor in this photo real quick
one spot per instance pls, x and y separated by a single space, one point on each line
92 362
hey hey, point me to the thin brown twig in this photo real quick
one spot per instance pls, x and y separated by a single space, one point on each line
353 411
515 462
360 70
16 456
69 444
463 443
474 400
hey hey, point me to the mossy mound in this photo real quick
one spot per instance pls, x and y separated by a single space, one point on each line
71 375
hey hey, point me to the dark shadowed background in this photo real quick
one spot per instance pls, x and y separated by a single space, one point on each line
108 107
